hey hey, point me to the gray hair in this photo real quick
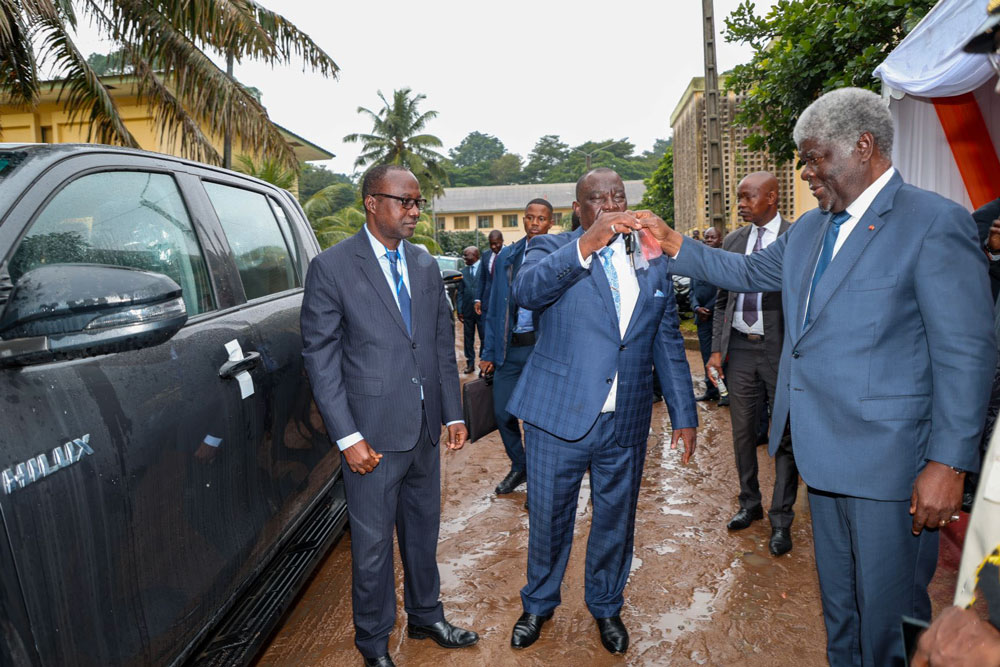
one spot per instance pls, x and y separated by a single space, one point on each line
841 116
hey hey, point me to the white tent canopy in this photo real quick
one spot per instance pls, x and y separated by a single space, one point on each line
930 64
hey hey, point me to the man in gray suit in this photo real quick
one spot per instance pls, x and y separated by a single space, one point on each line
379 347
749 327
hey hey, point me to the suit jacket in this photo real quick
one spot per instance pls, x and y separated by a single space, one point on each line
703 295
725 306
567 378
881 379
502 316
366 371
468 290
485 280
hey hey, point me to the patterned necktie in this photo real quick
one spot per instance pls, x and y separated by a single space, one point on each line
751 300
826 254
402 295
612 274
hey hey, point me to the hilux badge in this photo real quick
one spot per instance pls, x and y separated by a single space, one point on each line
43 465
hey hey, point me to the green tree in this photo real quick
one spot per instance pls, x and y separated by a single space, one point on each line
548 153
329 200
476 148
397 138
348 221
659 195
166 46
314 178
267 169
804 48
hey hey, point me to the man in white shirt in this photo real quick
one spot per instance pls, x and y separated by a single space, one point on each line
885 397
748 330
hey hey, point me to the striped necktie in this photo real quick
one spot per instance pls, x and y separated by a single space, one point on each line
402 295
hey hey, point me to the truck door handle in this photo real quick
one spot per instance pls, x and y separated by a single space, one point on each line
231 369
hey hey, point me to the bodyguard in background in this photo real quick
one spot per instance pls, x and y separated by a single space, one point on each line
489 259
471 321
749 329
703 297
379 347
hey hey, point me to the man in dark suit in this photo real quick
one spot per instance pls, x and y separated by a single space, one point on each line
379 347
486 275
703 297
885 396
511 332
468 288
585 398
748 330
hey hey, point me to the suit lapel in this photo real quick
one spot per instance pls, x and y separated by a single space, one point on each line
851 250
420 305
808 266
368 265
604 289
642 277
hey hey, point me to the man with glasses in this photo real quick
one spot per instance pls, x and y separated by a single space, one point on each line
379 347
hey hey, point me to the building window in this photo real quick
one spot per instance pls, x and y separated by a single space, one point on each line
461 222
484 221
510 220
557 218
439 221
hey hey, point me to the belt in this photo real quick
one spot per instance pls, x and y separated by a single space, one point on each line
753 338
522 339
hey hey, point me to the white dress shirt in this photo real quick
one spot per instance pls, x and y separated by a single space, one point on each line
383 262
768 234
628 293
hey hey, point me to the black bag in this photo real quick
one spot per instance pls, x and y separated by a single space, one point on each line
477 407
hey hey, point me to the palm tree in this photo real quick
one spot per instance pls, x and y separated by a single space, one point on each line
267 169
396 139
347 222
165 45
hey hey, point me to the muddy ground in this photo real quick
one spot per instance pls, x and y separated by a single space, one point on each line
697 595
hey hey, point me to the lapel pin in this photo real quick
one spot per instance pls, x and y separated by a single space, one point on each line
871 228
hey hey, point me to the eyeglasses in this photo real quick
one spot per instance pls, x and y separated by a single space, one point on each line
406 202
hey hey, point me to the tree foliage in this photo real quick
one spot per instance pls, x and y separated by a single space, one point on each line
314 178
166 45
804 48
267 169
659 195
397 137
477 148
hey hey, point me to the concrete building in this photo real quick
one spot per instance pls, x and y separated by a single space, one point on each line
691 202
502 206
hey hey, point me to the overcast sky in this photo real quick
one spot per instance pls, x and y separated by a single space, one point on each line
517 69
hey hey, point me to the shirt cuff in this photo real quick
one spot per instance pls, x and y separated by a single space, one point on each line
457 421
678 253
585 263
477 301
349 440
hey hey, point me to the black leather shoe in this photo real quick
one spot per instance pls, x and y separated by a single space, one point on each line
469 368
708 396
723 402
527 629
511 482
781 541
744 518
444 633
381 661
614 636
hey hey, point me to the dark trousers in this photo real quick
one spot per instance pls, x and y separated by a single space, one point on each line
403 492
749 366
872 571
470 325
504 381
705 345
555 472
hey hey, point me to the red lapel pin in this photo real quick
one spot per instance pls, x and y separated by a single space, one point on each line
871 228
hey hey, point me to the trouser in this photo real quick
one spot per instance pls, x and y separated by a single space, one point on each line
555 472
748 366
403 492
872 572
504 380
705 345
472 323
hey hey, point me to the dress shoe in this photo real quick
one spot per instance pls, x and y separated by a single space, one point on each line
381 661
723 402
527 629
708 396
511 482
444 633
781 541
744 518
469 368
614 636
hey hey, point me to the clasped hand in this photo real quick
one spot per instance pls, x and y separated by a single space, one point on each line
362 459
607 224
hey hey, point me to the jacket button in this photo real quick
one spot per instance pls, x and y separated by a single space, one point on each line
795 355
414 346
621 348
414 380
608 380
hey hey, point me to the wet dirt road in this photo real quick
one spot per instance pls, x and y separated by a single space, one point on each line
697 595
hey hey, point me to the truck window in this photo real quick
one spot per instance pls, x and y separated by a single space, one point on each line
262 256
122 218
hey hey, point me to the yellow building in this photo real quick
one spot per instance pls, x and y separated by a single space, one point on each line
691 200
50 123
501 207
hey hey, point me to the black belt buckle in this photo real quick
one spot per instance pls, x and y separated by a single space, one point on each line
753 338
522 339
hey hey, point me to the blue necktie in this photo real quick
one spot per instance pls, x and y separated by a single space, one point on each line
401 293
609 270
826 254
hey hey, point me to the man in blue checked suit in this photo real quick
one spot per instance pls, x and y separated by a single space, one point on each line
586 398
379 347
884 394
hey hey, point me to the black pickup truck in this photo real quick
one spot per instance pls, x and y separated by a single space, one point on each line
166 483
